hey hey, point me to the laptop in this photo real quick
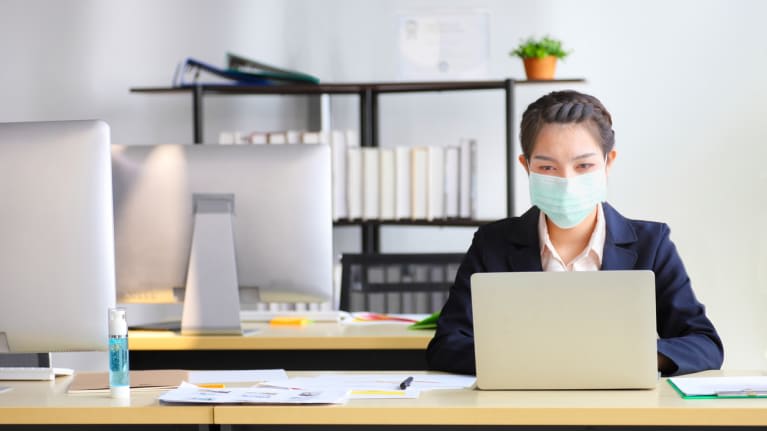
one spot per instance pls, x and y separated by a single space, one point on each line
565 330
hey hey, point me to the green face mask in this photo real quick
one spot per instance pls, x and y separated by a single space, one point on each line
567 201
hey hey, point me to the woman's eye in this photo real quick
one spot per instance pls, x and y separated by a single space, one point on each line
546 168
585 166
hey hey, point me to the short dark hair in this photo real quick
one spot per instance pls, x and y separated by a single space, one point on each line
563 107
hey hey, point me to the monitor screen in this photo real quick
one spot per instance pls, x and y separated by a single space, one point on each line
57 277
282 220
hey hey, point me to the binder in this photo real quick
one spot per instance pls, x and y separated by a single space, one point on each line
720 387
452 156
370 183
402 174
419 183
242 64
436 183
387 184
429 322
354 182
191 72
467 194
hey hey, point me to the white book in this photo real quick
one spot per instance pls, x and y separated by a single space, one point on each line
258 138
277 138
352 138
226 138
293 136
370 183
386 183
419 174
338 167
310 138
324 136
435 183
452 159
354 182
402 183
468 179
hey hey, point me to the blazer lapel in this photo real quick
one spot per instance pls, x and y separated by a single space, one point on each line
525 250
620 234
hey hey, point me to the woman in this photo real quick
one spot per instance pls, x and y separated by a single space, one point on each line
567 151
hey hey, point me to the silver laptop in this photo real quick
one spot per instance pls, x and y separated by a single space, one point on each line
565 330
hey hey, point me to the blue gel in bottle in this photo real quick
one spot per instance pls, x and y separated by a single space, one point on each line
119 371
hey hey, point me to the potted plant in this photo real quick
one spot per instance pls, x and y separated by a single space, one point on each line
540 56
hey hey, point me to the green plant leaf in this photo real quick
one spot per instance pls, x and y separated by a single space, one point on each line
539 48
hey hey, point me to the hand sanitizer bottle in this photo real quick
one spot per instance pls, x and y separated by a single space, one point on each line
119 382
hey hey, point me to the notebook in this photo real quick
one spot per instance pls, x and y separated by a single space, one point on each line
565 330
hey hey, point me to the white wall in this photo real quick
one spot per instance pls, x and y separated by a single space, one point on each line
683 80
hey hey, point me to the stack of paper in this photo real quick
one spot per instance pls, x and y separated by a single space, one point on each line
188 393
93 382
364 386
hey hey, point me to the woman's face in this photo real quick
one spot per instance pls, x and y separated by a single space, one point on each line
566 150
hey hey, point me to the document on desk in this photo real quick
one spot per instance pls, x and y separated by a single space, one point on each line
363 386
368 318
188 393
720 387
232 376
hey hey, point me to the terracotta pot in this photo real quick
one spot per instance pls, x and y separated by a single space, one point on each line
540 68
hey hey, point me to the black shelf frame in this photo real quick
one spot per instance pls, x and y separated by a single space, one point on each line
369 132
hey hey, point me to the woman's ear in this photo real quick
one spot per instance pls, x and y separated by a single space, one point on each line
523 162
610 160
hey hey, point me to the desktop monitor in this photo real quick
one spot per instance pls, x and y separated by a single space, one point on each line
277 217
57 277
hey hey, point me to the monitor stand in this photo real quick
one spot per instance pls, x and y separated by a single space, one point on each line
24 366
212 299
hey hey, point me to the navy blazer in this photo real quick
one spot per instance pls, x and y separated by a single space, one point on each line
687 336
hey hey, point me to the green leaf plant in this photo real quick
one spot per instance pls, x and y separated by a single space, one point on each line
539 48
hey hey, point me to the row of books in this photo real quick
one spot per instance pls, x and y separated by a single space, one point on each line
398 183
281 137
403 183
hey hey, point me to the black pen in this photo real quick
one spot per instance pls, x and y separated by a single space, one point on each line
405 383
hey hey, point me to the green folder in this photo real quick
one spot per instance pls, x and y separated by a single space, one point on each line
742 393
429 322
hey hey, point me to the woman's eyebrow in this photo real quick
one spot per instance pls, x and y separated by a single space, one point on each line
584 156
550 159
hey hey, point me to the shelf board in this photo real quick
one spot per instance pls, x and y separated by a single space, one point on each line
458 222
257 89
404 87
350 88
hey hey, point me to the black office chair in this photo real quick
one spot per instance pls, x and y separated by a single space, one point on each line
397 283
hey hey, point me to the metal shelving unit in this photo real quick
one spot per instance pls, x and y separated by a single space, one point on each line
369 131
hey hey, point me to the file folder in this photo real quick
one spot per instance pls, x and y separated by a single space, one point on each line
720 387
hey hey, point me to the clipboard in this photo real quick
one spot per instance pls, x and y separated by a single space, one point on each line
697 388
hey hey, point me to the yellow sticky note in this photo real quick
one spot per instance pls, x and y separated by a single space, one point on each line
288 320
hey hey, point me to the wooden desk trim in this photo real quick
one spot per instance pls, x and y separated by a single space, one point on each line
480 416
98 415
317 336
47 403
659 407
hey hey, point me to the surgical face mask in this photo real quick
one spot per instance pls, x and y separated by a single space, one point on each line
567 201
